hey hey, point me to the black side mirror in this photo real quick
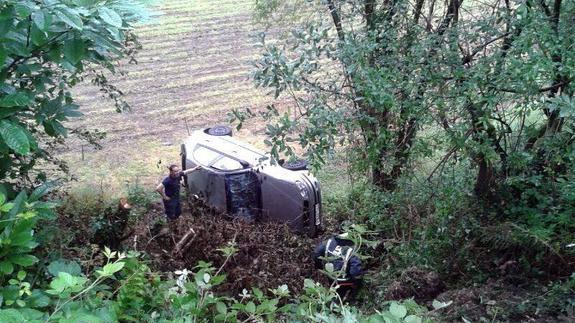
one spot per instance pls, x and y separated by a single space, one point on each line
244 164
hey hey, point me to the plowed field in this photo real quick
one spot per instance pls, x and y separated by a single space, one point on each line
192 70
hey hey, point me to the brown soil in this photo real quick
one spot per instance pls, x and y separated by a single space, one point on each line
268 255
415 283
499 300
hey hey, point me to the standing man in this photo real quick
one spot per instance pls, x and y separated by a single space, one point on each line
169 188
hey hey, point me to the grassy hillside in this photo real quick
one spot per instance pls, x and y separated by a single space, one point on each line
193 68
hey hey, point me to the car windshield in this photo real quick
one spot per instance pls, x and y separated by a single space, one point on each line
211 158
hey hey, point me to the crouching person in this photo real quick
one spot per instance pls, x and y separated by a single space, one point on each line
339 252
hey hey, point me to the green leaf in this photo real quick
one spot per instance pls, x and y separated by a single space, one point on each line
251 307
221 308
110 17
216 280
22 10
112 268
412 319
16 47
15 137
21 239
66 266
67 279
74 50
71 110
397 310
15 100
40 191
54 128
257 293
329 267
3 56
220 317
104 43
38 299
6 207
31 140
19 201
55 54
6 267
24 260
6 112
376 319
12 316
70 17
57 286
38 36
107 314
39 20
6 23
32 315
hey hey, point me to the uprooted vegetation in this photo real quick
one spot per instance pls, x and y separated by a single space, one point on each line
266 255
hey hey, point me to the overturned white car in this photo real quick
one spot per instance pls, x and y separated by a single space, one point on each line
242 181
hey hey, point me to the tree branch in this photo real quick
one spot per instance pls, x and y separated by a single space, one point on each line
553 87
467 58
336 20
417 11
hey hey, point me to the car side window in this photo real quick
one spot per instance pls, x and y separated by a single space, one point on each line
205 156
211 158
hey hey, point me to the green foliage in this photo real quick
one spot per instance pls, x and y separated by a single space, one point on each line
461 114
560 297
318 304
140 198
47 47
61 265
138 294
380 78
123 288
17 222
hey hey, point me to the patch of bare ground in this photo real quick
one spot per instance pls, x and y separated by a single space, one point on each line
268 255
498 300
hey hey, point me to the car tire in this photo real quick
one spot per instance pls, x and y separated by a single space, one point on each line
219 131
299 164
184 159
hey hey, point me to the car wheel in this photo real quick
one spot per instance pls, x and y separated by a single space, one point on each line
299 164
219 131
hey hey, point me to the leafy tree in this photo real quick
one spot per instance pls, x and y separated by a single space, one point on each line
491 80
47 47
439 86
359 78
